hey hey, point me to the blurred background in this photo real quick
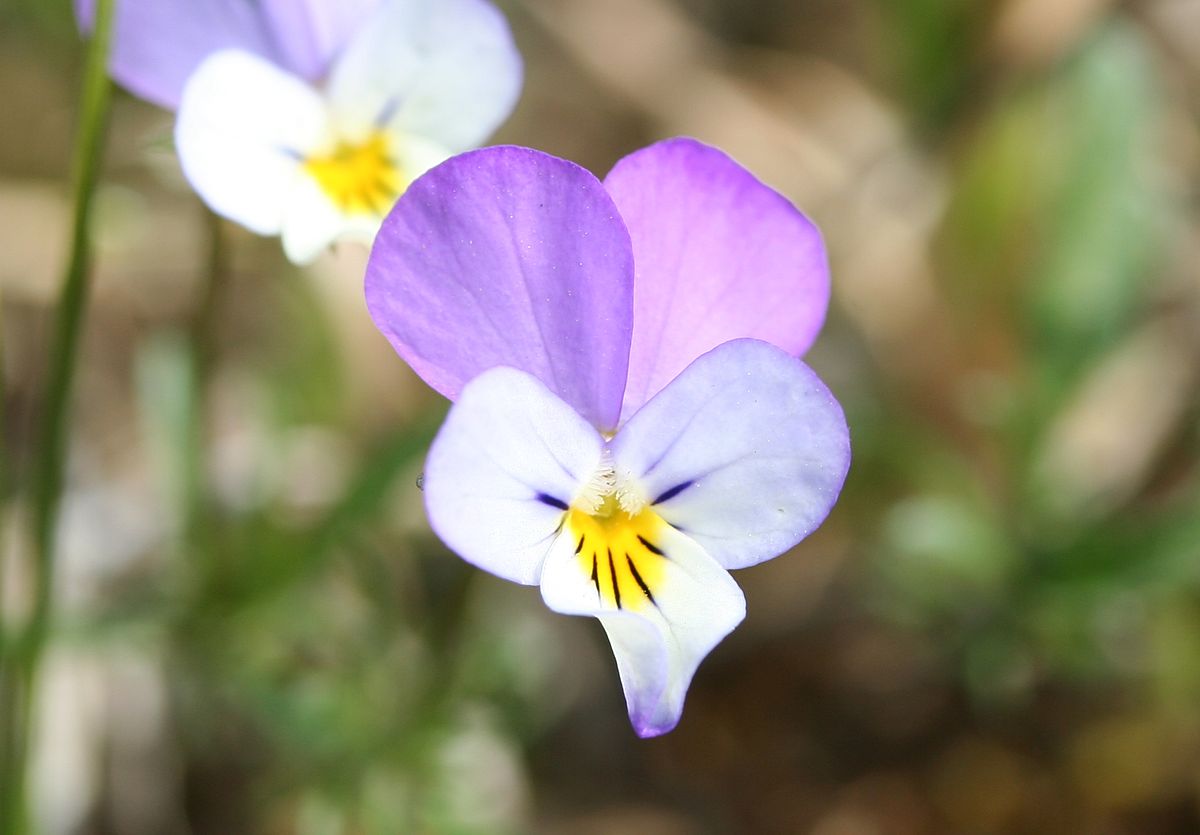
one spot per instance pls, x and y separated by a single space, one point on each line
996 631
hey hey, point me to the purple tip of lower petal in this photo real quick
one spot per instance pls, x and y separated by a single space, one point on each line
508 256
647 729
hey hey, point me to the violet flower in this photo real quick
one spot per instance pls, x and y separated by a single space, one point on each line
630 419
308 118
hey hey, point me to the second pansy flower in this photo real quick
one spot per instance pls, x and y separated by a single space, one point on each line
419 81
631 421
308 119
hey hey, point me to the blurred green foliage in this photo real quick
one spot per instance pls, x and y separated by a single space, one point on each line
934 46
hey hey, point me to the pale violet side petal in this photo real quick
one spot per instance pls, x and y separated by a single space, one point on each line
243 129
718 256
658 645
157 44
471 78
505 465
745 451
508 256
447 70
310 33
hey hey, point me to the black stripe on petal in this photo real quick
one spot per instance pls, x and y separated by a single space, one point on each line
650 546
595 576
673 492
638 579
546 498
612 570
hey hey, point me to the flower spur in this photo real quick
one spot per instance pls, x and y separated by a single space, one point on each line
630 421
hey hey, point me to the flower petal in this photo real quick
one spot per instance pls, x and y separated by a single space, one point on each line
416 155
718 256
508 256
446 70
311 222
243 127
309 33
745 452
505 465
157 44
691 605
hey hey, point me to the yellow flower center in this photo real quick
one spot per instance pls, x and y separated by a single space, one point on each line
619 551
359 177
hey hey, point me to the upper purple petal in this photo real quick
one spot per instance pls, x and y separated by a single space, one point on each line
309 33
718 256
158 43
508 256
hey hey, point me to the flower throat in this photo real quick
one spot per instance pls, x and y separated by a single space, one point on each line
619 551
359 177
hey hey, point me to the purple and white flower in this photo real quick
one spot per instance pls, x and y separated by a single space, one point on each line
308 118
631 420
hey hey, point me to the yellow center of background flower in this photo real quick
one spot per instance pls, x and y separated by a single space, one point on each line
620 552
359 177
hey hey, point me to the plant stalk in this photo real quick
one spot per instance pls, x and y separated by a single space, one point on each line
23 658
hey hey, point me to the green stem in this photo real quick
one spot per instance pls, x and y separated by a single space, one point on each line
51 453
10 709
202 344
5 483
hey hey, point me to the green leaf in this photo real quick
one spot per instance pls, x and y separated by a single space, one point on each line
1101 212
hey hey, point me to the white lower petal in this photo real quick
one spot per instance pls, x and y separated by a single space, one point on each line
311 221
508 460
688 604
243 128
745 451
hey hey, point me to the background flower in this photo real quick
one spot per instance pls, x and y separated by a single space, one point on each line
308 120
